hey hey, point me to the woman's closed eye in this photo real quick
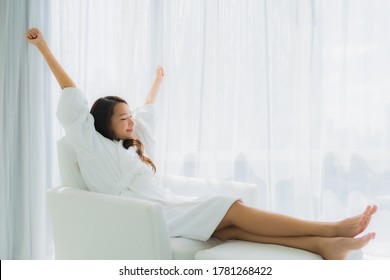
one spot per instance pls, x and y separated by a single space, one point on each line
125 118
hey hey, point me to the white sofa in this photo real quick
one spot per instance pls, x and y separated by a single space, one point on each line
89 225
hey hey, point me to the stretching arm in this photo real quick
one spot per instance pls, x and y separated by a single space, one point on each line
35 37
155 87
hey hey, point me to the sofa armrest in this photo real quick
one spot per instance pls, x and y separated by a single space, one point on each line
89 225
249 193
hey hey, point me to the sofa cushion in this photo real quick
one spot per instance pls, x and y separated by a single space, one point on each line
244 250
185 249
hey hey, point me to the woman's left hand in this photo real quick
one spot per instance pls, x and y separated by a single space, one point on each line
159 72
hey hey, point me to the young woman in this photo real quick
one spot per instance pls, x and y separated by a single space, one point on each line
112 144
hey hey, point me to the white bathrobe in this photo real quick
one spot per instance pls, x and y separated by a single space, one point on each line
107 167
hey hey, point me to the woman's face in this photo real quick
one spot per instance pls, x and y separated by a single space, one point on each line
122 123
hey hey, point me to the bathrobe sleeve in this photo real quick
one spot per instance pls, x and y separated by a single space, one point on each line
73 114
145 126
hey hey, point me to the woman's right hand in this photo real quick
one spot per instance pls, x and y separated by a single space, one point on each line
34 36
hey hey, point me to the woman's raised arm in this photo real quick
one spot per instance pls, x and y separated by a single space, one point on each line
35 37
152 95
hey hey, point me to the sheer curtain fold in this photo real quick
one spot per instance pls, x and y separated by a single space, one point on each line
4 247
23 139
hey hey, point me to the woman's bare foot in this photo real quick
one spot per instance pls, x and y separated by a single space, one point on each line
337 248
353 226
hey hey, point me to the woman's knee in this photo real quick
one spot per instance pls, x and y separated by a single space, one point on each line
228 219
228 233
235 211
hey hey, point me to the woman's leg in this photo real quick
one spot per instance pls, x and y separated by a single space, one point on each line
326 247
265 223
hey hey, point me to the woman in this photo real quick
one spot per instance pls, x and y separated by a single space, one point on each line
110 149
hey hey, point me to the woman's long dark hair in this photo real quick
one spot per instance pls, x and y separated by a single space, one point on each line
102 111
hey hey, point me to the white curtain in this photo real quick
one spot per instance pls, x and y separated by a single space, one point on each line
25 139
290 95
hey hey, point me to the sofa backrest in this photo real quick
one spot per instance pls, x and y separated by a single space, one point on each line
69 168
